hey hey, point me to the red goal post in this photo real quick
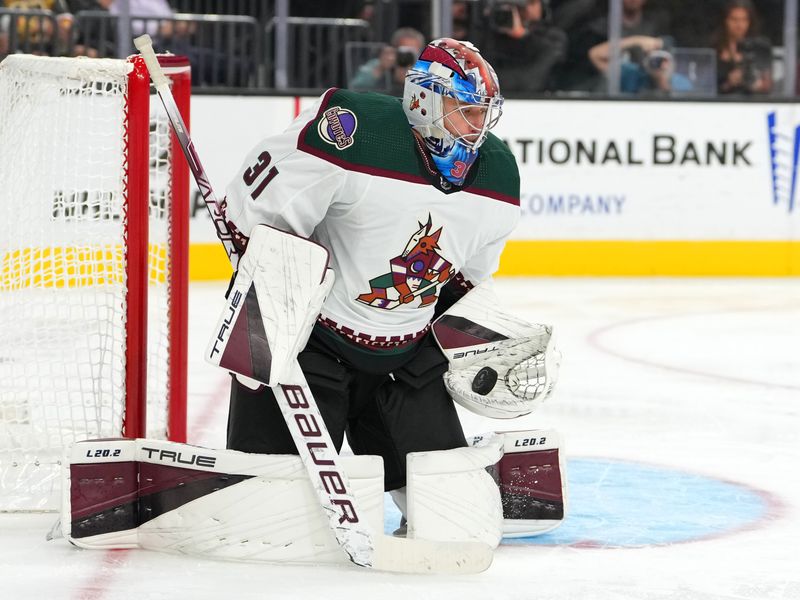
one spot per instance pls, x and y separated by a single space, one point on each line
94 202
140 106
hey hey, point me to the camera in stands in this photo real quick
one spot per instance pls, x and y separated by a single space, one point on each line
756 59
656 59
502 13
406 56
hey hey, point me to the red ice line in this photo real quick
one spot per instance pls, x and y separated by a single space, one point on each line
595 340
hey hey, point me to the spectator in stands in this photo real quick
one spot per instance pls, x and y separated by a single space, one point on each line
568 15
329 9
219 57
387 72
152 9
647 67
76 6
36 33
577 18
744 61
91 38
461 20
637 19
523 46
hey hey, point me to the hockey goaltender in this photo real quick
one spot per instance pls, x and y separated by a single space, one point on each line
362 307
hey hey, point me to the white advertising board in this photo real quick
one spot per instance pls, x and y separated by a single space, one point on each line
594 170
655 170
224 129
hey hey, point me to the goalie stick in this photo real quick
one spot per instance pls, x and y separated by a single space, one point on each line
297 405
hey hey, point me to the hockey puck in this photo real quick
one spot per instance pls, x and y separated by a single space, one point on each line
484 381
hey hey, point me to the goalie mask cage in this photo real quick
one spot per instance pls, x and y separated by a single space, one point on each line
93 264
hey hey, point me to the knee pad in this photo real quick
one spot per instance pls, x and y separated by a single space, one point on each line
452 497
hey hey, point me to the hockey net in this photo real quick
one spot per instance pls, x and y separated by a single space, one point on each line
93 265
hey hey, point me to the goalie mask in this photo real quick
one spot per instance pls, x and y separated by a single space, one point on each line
452 98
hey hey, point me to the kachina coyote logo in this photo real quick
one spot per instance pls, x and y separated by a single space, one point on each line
784 155
416 273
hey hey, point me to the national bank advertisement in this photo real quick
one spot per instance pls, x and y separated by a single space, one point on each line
655 171
603 172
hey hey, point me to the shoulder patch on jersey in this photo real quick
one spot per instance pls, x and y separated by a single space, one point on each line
365 132
337 127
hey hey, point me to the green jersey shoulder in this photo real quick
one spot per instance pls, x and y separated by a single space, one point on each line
361 129
369 132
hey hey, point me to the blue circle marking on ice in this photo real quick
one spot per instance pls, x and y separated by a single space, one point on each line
618 504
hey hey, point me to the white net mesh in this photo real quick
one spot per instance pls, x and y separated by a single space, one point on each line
62 267
159 271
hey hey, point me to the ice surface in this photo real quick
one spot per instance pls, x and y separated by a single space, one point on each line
679 401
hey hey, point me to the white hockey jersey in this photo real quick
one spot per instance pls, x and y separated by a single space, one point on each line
350 174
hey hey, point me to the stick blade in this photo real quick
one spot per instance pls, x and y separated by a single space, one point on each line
400 555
